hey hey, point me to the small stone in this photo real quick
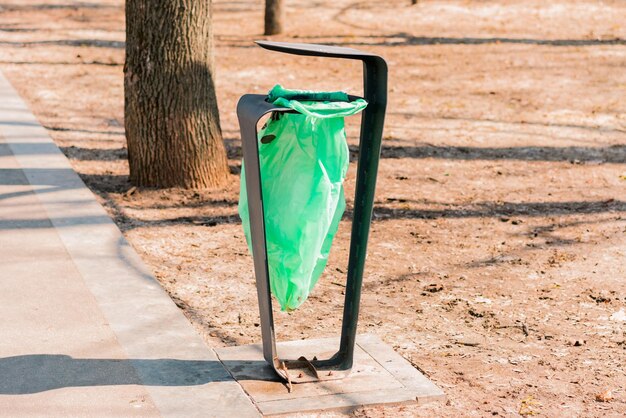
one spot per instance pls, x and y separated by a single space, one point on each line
619 316
433 287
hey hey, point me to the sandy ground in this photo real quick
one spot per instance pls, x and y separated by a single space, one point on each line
497 255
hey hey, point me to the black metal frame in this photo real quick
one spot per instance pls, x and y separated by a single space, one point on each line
250 109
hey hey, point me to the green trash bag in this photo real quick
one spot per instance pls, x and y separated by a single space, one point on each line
303 161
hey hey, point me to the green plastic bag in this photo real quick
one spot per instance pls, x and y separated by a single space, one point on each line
303 161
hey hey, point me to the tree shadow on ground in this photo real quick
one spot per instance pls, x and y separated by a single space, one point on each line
46 6
405 39
610 154
95 154
37 373
96 43
95 62
226 208
492 209
541 237
223 210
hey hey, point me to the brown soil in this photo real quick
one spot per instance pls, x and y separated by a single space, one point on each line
497 254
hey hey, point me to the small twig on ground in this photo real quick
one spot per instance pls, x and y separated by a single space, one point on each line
467 343
522 327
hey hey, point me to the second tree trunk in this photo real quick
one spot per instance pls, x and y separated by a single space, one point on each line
273 17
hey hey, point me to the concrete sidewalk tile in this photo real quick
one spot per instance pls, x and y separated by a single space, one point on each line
85 311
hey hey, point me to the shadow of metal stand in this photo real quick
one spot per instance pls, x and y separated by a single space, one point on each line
250 109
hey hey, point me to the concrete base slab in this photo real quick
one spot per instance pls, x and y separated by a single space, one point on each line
380 376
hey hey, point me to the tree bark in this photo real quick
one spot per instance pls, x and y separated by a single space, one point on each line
274 16
170 107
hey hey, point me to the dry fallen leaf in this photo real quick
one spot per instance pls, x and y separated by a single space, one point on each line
130 191
526 407
606 396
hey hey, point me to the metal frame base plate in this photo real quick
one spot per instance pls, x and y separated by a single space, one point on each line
379 376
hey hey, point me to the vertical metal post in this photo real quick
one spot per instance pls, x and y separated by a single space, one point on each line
373 119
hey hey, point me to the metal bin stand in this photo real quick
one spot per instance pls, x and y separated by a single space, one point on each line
250 109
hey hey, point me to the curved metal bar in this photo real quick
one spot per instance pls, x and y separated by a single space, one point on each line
251 108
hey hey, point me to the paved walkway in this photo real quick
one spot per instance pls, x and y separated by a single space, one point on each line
85 330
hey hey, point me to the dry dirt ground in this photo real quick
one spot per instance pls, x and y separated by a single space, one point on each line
497 259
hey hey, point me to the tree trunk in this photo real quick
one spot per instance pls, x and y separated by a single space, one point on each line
171 116
273 17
